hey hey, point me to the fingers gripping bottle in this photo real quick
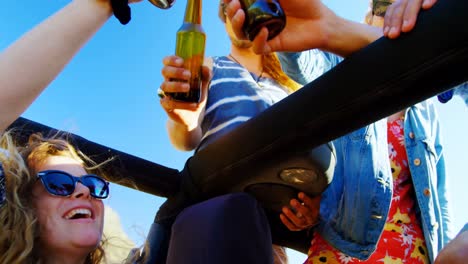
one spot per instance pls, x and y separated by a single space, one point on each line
190 45
263 13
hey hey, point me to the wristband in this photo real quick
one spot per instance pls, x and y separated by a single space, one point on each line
121 10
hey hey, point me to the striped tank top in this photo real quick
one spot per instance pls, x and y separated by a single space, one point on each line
235 95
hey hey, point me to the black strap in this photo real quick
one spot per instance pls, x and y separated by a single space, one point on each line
121 11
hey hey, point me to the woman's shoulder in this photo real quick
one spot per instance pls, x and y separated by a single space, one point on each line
221 61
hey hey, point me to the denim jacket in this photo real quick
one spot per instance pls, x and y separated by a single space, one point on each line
464 229
355 206
462 91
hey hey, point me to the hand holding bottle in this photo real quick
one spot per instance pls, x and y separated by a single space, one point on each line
310 25
262 13
185 114
190 46
304 27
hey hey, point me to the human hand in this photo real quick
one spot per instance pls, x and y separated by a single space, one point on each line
455 252
176 80
306 27
306 215
402 14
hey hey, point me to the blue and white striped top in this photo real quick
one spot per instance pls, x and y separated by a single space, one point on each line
235 95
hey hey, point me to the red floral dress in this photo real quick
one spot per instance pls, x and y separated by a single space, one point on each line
402 240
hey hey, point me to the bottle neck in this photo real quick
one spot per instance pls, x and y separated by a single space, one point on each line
193 12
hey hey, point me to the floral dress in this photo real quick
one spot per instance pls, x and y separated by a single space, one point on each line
402 239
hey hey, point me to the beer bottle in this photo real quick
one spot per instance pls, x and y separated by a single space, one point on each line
163 4
263 13
190 45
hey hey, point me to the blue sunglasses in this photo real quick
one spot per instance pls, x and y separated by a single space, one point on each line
61 183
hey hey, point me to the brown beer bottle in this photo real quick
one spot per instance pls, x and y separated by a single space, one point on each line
163 4
263 13
190 45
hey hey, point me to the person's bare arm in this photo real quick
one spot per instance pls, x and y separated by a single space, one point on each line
33 61
182 137
455 252
345 37
184 119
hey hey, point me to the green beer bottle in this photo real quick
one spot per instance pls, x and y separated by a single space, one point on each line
190 45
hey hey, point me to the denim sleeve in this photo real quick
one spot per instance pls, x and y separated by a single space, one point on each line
462 91
465 228
304 67
442 192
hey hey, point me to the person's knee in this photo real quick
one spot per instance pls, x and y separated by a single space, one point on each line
221 228
223 212
235 203
225 206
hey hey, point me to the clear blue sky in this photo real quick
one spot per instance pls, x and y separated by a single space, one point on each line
107 94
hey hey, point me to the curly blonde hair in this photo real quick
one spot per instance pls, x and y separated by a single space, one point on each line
18 221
